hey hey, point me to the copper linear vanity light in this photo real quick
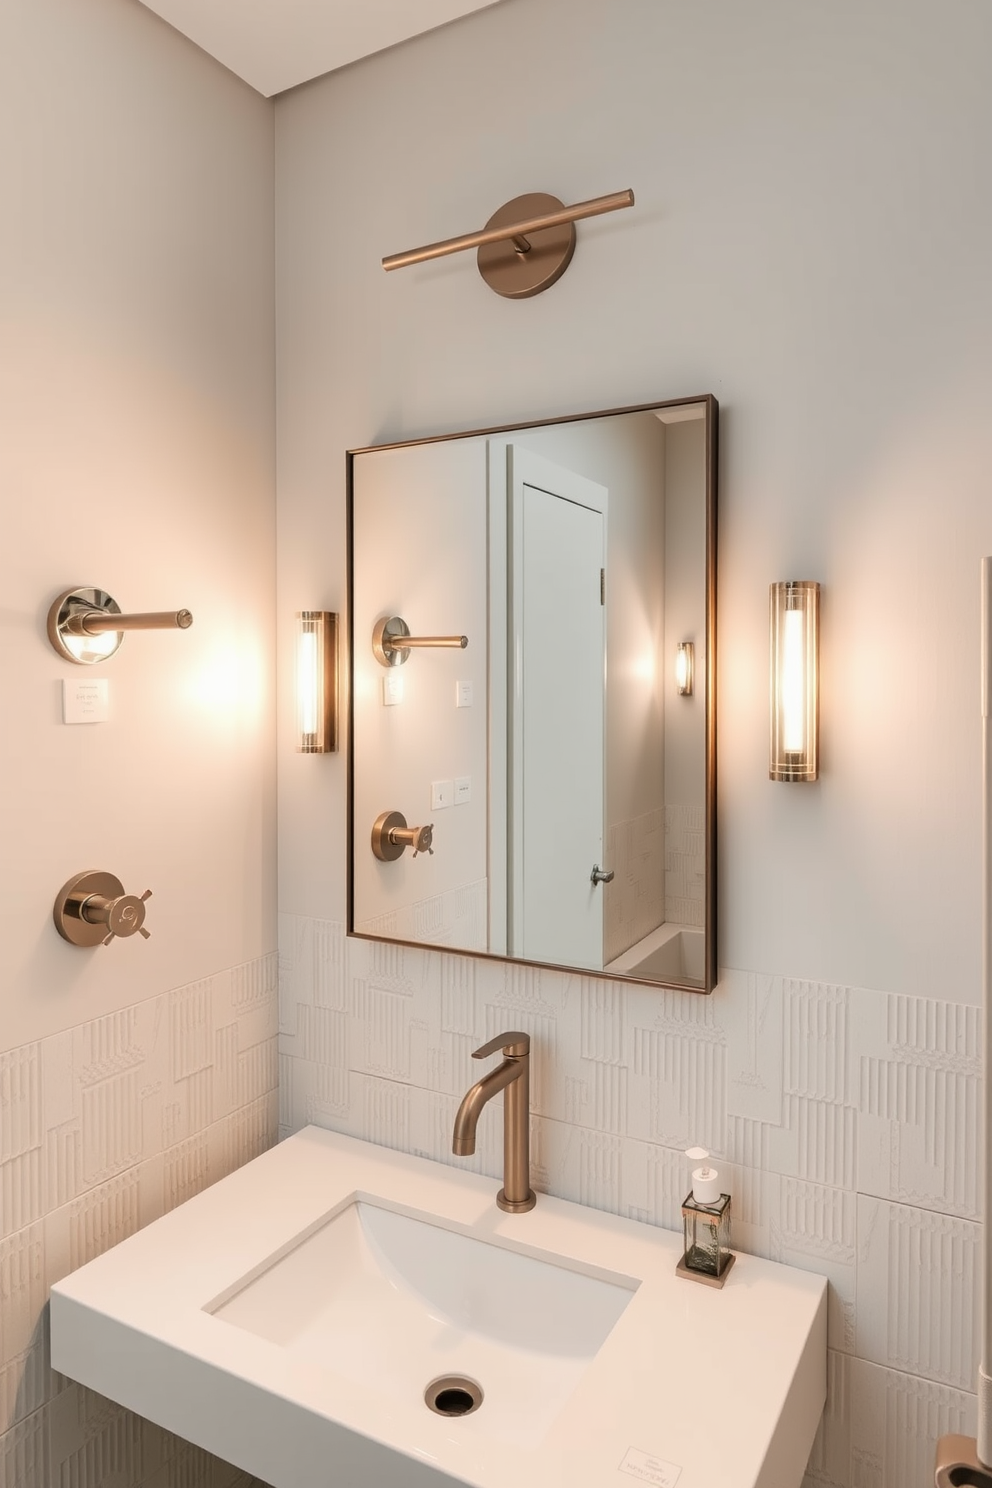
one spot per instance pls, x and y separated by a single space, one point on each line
526 245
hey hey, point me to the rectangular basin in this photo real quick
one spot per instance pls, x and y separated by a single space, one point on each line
291 1318
397 1302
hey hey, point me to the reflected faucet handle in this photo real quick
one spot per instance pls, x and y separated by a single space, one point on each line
514 1044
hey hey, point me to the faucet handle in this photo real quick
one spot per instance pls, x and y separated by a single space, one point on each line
514 1044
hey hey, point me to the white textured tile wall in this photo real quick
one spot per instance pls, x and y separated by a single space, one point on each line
634 903
685 864
458 918
103 1128
856 1158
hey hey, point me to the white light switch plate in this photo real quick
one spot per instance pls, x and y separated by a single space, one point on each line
85 701
442 794
392 689
463 789
463 694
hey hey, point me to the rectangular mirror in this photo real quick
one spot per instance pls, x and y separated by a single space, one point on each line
546 792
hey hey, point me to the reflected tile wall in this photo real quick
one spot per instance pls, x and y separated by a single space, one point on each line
103 1128
634 903
846 1121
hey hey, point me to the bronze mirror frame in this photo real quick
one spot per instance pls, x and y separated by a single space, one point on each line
359 841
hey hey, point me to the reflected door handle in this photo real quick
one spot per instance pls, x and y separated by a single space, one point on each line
597 876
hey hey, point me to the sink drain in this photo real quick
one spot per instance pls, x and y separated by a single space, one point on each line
453 1395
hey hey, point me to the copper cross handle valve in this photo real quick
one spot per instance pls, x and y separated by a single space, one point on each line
391 837
93 909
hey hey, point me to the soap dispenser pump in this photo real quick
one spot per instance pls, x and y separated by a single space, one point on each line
706 1225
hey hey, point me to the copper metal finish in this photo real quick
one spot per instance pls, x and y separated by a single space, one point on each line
521 224
684 668
391 837
796 759
323 739
706 1277
81 613
392 641
957 1464
518 267
513 1075
92 909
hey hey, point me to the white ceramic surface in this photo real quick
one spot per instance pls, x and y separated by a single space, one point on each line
403 1301
289 1318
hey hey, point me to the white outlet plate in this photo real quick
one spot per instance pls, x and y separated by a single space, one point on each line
463 790
85 701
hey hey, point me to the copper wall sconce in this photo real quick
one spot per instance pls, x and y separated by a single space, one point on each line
526 245
794 627
684 667
316 682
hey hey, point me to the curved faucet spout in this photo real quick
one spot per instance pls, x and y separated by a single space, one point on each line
467 1117
513 1074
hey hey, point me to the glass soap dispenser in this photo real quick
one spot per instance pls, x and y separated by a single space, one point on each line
705 1225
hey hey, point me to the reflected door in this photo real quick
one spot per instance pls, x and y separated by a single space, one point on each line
556 744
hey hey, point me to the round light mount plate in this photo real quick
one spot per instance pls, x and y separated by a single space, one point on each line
517 275
83 649
387 630
67 912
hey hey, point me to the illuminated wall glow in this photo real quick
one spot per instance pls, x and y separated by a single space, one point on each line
316 681
794 610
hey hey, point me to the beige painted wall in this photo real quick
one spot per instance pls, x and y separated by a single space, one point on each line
136 453
420 543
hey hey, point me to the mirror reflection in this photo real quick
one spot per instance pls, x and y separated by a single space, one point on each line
532 773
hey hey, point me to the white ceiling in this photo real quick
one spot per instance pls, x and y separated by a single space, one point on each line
275 44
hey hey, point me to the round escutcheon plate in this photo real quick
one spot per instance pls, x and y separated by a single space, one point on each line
515 275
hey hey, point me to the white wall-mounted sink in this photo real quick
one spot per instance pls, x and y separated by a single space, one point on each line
290 1318
404 1301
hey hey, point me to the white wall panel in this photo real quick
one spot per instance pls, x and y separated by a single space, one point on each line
810 243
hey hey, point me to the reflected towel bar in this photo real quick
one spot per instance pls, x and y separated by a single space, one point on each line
391 641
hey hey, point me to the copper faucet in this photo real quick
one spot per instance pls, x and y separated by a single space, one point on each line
516 1196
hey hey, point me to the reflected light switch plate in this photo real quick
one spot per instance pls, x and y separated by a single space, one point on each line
85 701
392 689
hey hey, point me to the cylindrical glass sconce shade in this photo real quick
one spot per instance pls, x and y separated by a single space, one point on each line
316 681
684 660
794 626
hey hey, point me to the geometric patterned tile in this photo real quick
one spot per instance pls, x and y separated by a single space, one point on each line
918 1286
102 1128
